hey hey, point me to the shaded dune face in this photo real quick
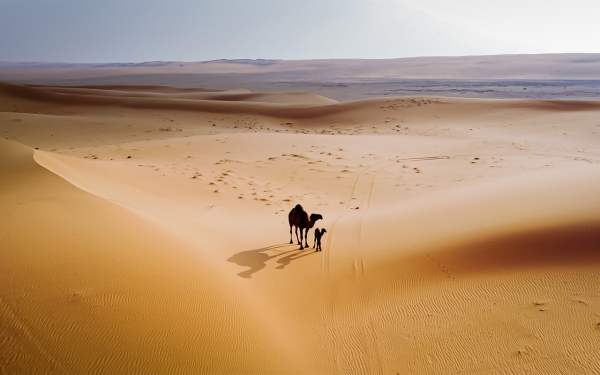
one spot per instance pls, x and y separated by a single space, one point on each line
551 248
209 102
237 95
149 233
573 245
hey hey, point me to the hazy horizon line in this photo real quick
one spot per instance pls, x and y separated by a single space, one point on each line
306 59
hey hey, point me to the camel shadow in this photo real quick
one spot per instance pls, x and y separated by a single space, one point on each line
256 259
283 262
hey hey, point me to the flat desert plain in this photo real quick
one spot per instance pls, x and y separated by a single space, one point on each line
144 229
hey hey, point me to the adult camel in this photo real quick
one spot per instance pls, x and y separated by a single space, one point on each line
298 218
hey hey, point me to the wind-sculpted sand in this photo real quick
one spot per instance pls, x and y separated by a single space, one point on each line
144 230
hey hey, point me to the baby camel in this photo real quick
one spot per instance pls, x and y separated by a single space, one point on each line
318 234
299 218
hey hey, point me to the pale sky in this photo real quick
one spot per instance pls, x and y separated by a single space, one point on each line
550 25
196 30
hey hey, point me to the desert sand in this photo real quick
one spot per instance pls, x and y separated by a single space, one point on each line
144 230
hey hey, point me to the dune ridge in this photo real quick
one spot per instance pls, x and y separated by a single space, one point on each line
273 105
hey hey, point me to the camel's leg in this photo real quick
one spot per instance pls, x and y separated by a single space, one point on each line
291 241
298 238
301 247
306 237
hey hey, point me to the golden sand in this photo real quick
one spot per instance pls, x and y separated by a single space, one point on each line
144 230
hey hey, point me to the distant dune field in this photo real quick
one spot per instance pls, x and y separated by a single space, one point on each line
144 230
545 66
550 76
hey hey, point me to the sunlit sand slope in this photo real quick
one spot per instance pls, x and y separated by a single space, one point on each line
88 286
463 235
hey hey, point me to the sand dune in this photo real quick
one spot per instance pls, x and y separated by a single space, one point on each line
217 102
139 89
148 233
550 76
287 105
80 291
229 95
543 66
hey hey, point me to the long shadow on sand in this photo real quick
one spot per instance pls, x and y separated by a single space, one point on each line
257 259
296 255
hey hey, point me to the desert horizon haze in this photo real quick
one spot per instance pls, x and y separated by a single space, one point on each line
96 31
157 159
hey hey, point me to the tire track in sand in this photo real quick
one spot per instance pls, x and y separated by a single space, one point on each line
335 221
358 262
351 195
365 352
363 291
360 344
330 328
